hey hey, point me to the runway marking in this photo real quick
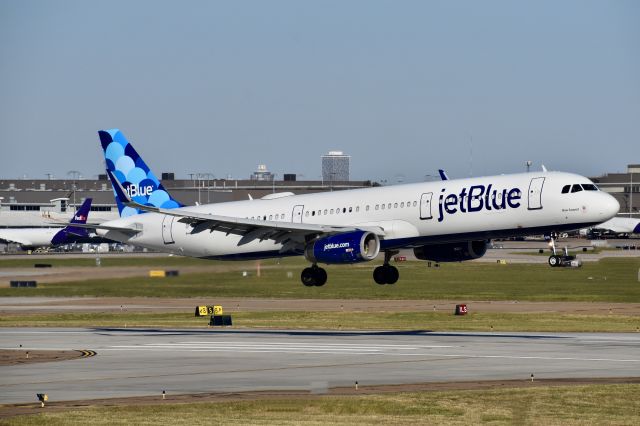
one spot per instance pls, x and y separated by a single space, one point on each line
323 344
339 349
87 353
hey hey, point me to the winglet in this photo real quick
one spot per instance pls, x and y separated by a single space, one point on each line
443 174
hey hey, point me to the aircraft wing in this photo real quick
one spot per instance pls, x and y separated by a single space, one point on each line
291 235
252 229
122 229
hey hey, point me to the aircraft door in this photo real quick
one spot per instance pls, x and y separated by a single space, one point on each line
425 206
167 229
296 216
535 193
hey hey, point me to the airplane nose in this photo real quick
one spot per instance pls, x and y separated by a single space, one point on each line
609 206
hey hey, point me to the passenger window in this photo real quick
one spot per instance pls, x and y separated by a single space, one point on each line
331 211
383 207
265 217
589 187
325 212
270 217
357 209
350 209
395 205
319 212
344 210
415 203
366 208
402 204
576 188
377 205
306 213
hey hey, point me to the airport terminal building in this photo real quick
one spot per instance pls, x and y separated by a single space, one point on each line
32 202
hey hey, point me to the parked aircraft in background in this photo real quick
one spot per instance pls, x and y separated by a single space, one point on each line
32 238
447 220
619 226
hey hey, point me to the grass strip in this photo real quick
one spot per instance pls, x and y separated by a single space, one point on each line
427 321
566 405
610 280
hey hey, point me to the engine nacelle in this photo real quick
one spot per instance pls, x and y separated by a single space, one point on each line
350 247
452 252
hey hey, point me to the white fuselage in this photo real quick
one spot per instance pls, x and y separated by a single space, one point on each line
410 215
29 237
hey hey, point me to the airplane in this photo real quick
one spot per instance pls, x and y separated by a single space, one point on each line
624 226
444 221
33 238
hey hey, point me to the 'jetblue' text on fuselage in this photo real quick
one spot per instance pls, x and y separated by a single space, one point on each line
477 198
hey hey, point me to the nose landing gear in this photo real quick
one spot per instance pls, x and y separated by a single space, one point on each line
556 260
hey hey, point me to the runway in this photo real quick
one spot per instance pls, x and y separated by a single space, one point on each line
140 362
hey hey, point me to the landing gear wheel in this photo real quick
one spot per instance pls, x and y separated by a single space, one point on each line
307 277
392 274
313 276
386 274
554 261
379 275
321 276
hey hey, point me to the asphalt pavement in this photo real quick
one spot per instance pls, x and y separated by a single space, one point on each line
140 362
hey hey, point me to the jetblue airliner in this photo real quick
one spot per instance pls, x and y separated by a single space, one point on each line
445 221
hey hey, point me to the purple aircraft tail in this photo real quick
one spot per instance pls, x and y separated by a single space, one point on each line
71 233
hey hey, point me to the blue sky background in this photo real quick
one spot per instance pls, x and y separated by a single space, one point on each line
405 87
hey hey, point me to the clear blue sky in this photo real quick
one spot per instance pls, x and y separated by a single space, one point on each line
402 86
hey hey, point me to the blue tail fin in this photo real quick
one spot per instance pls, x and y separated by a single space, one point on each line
71 233
132 173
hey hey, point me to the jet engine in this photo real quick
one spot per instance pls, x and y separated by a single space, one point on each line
348 247
452 252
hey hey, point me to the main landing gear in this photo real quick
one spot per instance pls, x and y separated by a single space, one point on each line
386 274
313 276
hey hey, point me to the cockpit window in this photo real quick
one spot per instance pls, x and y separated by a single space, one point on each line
589 187
566 188
576 188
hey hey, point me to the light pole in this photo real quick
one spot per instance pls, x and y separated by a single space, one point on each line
631 194
75 175
208 176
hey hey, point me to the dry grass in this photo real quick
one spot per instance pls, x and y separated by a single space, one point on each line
591 404
433 321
